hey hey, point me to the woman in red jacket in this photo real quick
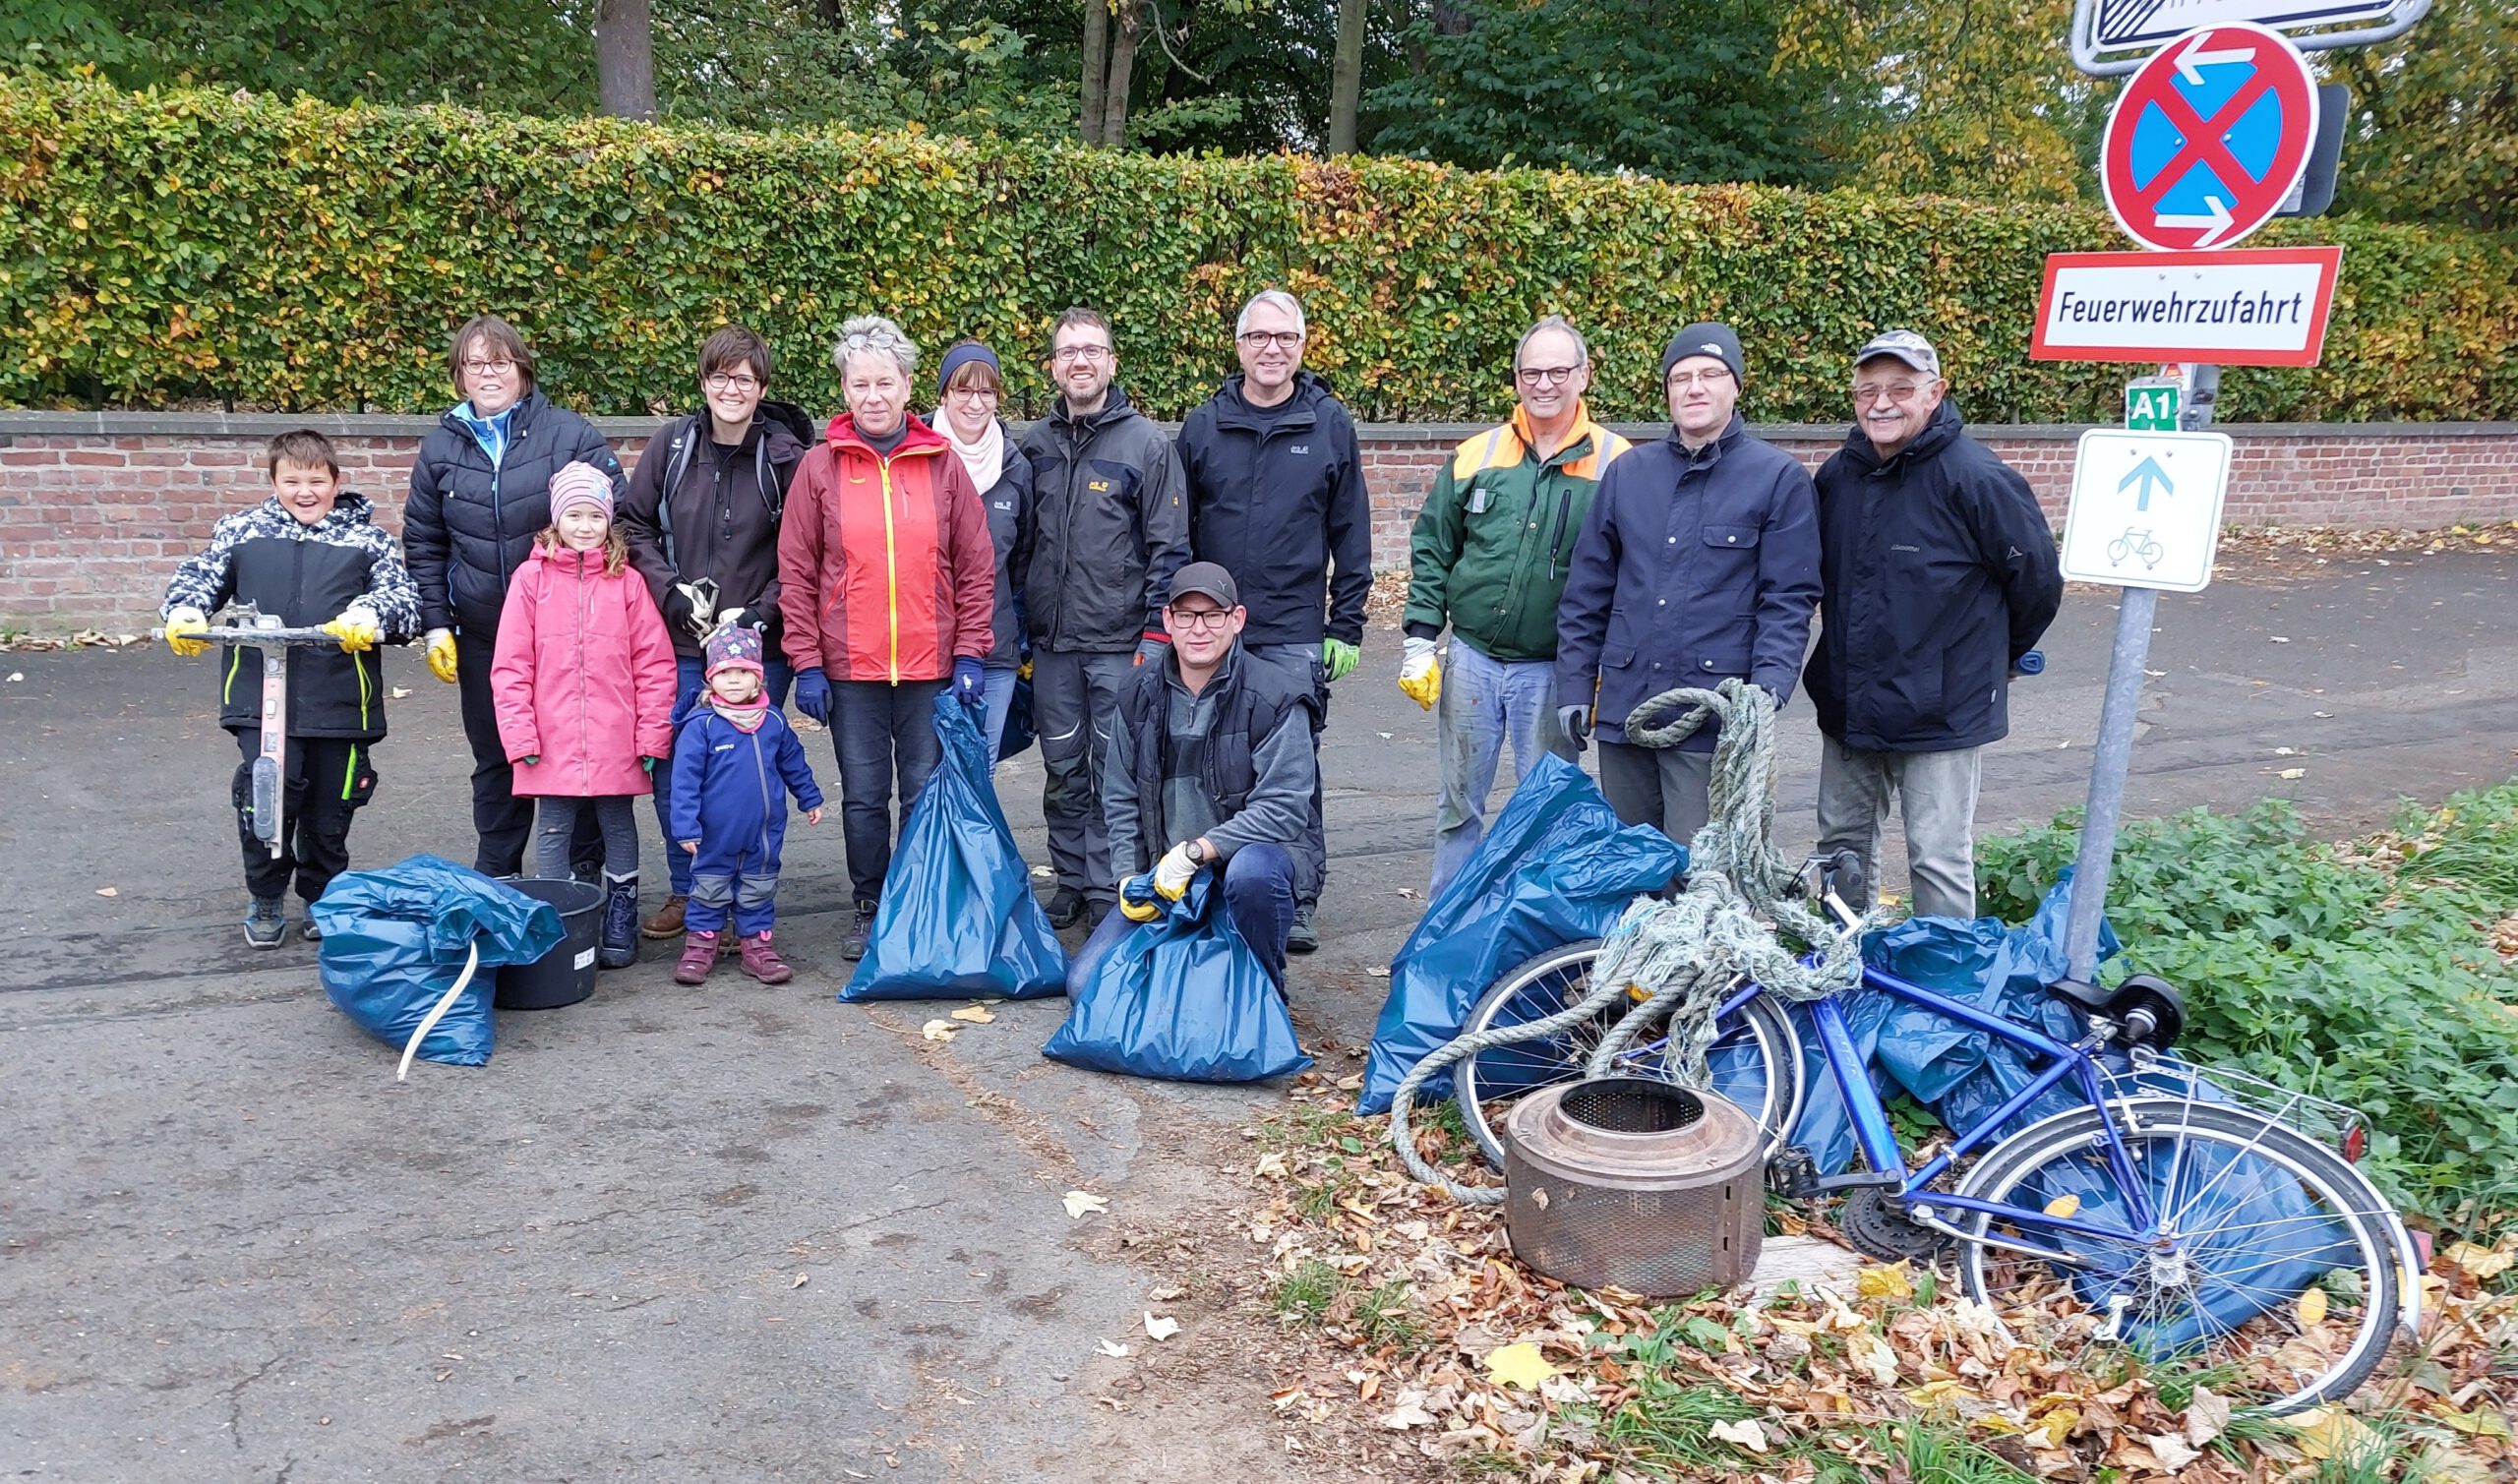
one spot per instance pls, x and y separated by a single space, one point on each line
887 587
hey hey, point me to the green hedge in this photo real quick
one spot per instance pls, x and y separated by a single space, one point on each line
183 246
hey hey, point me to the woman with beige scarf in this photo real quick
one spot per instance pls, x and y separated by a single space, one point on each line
969 384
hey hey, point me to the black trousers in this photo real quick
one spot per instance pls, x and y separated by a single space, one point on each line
503 822
327 779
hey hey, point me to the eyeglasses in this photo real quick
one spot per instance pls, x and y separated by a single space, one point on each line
722 381
871 339
1261 339
1898 393
1713 378
975 393
1081 353
1546 375
499 366
1199 618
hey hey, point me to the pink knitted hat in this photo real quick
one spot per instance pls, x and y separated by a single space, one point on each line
580 484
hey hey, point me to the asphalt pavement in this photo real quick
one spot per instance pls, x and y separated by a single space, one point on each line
739 1233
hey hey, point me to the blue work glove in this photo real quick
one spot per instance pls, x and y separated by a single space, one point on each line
968 676
812 695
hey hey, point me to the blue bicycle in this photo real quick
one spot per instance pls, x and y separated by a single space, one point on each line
2187 1214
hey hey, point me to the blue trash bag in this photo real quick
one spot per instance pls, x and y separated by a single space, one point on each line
1960 1073
1555 869
394 941
958 917
1181 997
1020 729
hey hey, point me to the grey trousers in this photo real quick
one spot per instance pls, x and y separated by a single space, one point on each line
1662 787
616 814
1075 702
1937 794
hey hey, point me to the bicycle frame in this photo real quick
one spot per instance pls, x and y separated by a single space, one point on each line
1878 1142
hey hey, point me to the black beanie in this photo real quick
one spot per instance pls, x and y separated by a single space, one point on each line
1705 339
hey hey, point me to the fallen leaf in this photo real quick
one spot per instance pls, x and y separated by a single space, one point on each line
107 891
396 693
2207 1416
2063 1207
1746 1433
1873 1354
2330 1432
2279 638
2311 1307
1079 1202
1884 1281
1411 1412
2171 1450
2482 1422
2286 751
15 676
801 1278
1113 1347
2292 773
2481 1264
1271 1165
1520 1365
940 1029
977 1014
1160 1327
1377 972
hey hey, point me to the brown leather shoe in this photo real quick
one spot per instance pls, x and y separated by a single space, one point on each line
667 923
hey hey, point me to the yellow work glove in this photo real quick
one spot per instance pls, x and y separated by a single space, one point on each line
1132 909
358 628
441 646
1172 872
1421 674
181 626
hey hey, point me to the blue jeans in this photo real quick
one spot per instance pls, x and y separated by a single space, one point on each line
687 679
1259 892
996 690
1485 700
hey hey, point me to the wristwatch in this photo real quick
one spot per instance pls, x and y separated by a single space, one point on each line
1198 852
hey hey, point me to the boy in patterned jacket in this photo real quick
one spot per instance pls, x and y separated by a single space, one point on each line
308 556
733 763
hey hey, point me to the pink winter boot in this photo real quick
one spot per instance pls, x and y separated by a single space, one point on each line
763 961
698 956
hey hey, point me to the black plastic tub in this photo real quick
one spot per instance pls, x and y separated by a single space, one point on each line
564 975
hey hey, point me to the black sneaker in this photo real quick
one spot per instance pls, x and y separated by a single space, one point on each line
853 946
1067 908
265 927
309 932
1300 939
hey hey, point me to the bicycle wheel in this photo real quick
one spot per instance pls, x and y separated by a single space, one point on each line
2255 1219
1756 1060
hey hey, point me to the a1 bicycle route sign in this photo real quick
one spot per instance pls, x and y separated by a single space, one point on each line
2208 138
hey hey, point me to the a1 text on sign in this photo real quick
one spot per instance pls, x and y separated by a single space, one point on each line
2250 306
2208 138
2146 508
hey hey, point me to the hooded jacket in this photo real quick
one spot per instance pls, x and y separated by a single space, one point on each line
468 522
582 678
730 790
885 566
1008 506
1110 526
1278 501
721 520
303 576
1496 536
1938 572
1693 569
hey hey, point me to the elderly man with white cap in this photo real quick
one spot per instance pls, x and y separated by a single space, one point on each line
1938 573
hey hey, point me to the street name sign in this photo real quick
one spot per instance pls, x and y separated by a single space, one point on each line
2250 306
2208 139
2146 508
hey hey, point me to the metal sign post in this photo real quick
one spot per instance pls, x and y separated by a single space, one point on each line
2117 716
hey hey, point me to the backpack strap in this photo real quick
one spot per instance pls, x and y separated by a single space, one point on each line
678 454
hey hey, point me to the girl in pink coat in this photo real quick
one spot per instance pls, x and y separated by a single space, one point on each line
582 683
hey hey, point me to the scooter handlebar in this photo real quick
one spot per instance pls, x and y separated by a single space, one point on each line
254 636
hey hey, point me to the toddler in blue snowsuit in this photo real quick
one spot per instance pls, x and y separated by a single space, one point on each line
734 761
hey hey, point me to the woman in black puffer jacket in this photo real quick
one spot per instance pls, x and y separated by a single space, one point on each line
480 492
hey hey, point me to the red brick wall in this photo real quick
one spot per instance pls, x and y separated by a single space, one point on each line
95 510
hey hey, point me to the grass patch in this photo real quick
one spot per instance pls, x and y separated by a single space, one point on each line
1665 1426
1304 1295
2362 973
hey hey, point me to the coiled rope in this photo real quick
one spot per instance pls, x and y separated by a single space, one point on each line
1738 920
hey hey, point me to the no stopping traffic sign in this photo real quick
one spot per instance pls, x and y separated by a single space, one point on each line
2208 138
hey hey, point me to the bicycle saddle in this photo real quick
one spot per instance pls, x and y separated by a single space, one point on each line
2161 1006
